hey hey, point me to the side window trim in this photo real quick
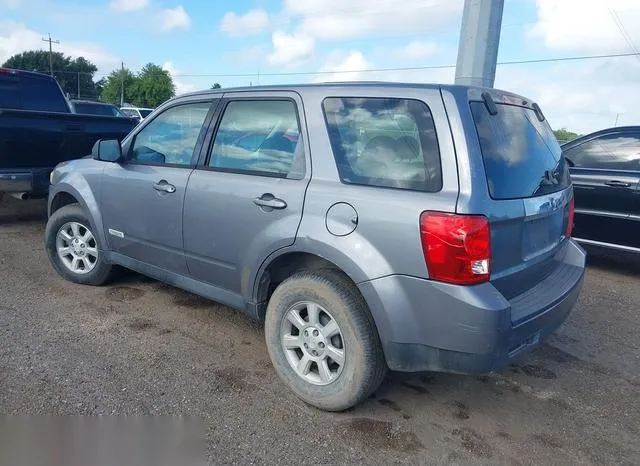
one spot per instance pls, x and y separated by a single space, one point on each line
213 102
207 147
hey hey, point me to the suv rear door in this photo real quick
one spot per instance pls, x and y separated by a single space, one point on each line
521 182
245 199
605 172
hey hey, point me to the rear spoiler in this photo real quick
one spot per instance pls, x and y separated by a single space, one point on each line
492 108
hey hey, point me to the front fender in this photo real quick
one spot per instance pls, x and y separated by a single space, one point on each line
77 185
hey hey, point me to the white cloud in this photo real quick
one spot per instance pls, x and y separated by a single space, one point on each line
339 19
129 5
11 4
16 38
252 22
174 18
581 96
587 26
290 50
182 85
418 50
344 66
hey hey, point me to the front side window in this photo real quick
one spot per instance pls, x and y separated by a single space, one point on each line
171 137
261 137
619 151
384 142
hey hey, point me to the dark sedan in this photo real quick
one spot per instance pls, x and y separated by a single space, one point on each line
605 170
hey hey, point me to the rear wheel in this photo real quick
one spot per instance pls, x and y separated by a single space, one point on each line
322 340
73 247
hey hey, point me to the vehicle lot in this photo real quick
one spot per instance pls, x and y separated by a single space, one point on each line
141 347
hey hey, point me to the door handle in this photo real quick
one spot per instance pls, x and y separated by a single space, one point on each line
617 184
270 201
165 187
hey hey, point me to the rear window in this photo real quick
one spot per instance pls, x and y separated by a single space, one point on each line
522 158
384 142
95 109
145 113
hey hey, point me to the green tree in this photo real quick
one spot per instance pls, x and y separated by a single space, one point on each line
69 72
216 86
564 135
152 86
112 86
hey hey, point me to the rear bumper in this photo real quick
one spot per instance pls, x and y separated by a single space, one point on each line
35 181
430 326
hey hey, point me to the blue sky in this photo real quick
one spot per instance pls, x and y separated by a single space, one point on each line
339 38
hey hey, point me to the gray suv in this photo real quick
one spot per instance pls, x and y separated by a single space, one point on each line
370 226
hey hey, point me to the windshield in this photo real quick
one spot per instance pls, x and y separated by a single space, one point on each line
522 157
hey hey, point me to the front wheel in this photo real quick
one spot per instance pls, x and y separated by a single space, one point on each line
322 340
73 247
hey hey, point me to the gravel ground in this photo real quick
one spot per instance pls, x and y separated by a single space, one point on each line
141 347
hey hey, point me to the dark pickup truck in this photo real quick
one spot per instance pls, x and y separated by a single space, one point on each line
38 130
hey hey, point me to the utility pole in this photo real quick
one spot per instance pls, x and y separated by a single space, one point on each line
479 41
51 41
617 117
121 84
78 86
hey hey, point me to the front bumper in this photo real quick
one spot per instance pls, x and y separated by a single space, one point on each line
430 326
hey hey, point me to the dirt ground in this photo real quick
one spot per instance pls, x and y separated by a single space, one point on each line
142 347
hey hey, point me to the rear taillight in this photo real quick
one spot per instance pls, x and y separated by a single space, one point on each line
572 209
457 248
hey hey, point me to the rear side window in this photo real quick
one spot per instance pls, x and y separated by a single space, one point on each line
618 151
522 158
42 94
384 142
9 91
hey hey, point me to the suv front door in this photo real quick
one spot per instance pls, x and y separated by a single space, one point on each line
245 199
142 197
605 173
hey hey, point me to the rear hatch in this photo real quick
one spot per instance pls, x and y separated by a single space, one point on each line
530 195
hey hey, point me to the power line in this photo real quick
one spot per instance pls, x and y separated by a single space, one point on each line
411 68
623 31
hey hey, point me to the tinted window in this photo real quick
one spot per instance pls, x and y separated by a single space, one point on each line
260 136
145 113
27 92
384 142
95 109
9 91
42 94
522 158
171 137
620 151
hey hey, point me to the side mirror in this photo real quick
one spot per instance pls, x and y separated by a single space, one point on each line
107 150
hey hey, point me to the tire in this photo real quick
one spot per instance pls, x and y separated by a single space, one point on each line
336 299
98 272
